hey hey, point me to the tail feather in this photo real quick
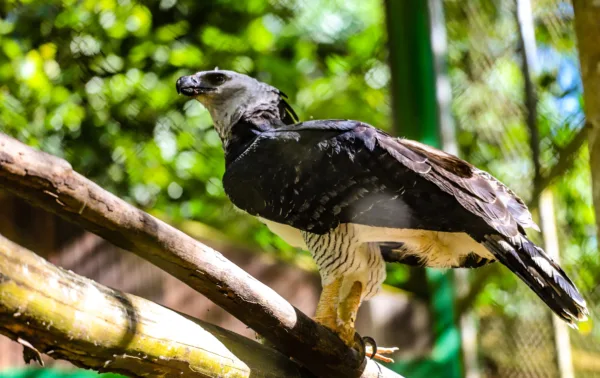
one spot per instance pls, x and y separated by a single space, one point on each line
544 276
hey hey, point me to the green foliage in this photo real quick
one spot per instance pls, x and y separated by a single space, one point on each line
94 82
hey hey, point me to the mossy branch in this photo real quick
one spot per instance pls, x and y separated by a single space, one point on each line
53 311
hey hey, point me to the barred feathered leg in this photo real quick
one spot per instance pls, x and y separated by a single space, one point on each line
532 265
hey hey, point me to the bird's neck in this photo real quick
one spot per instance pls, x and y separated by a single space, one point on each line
257 106
244 132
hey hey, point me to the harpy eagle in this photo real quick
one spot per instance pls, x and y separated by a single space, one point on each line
356 197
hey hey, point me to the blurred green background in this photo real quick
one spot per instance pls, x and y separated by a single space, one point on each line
93 82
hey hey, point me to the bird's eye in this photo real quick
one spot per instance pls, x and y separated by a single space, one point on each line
217 78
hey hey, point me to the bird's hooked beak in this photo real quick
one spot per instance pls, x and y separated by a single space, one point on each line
194 85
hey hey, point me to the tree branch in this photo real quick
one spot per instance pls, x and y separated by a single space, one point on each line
50 182
74 318
564 162
476 286
529 70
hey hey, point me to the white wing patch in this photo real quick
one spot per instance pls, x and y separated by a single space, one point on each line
435 249
289 234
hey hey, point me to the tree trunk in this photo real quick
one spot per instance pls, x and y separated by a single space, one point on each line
587 28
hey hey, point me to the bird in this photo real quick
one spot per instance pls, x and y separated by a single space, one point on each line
356 197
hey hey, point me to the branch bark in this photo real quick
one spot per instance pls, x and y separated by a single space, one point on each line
74 318
587 28
49 182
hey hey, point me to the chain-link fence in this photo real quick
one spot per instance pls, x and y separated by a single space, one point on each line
516 333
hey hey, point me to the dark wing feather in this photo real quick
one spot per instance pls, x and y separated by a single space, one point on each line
476 191
318 174
541 273
286 112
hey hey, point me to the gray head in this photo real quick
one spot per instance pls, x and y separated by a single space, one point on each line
230 96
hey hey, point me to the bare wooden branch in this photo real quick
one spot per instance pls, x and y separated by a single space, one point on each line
49 182
529 70
564 162
53 311
476 286
587 28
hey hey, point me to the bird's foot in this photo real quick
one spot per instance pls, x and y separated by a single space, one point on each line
370 345
365 345
328 321
348 335
379 354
